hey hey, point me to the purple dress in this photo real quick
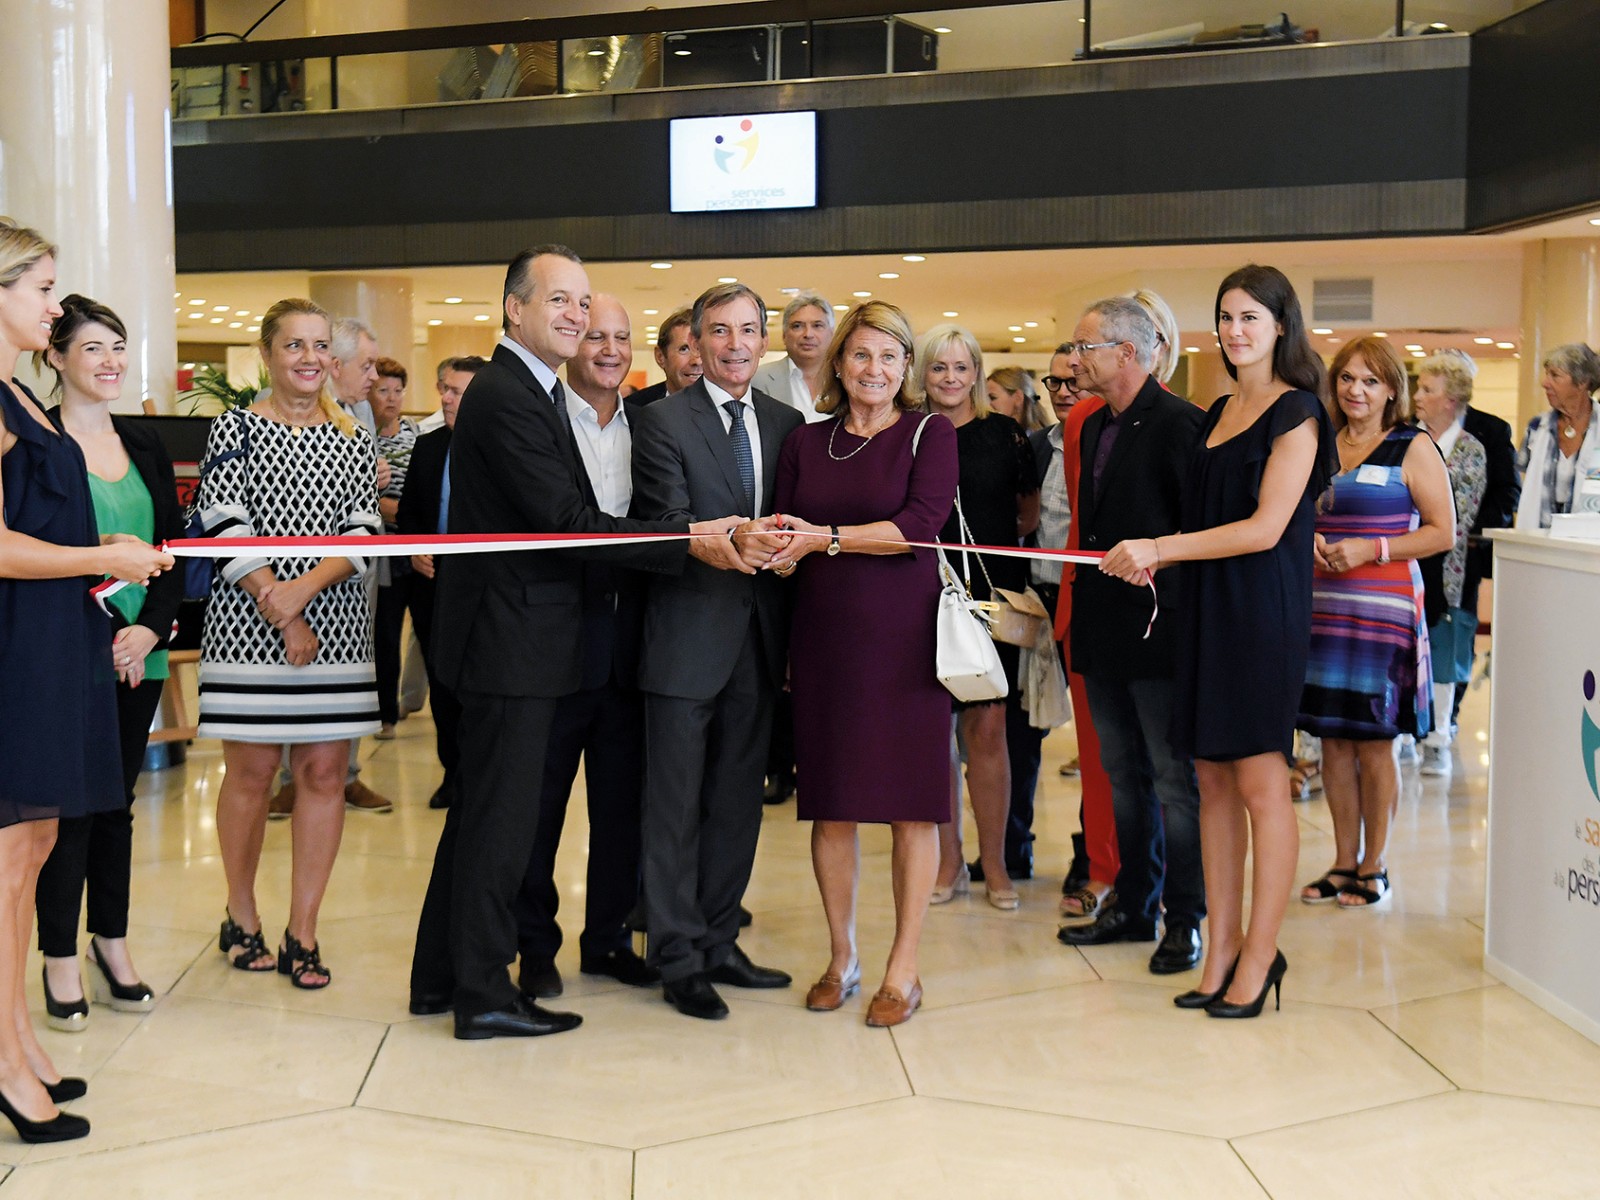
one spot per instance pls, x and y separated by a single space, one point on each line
871 721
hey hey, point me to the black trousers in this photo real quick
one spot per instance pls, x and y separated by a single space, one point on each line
387 628
704 765
441 700
95 850
467 934
604 727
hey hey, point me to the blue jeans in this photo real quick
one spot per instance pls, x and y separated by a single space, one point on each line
1155 798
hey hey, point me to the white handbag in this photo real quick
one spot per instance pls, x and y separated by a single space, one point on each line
966 661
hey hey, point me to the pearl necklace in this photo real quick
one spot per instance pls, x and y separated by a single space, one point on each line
839 424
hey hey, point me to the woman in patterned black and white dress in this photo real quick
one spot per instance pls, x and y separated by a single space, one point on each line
286 657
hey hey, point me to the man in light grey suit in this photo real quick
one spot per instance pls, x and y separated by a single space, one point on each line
797 378
713 655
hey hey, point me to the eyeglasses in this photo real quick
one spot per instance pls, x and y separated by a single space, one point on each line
1082 348
1054 383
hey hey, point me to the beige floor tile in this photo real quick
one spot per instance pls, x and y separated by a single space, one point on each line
128 1109
1096 1050
1493 1040
638 1073
1460 1144
349 1153
1364 959
924 1147
306 1055
964 958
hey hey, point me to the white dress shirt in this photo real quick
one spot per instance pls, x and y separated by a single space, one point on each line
800 393
748 412
607 452
545 374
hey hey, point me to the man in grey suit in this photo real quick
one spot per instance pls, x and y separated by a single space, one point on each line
713 656
798 377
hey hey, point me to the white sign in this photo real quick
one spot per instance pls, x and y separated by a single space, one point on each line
767 160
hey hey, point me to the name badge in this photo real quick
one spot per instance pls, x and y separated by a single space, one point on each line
1373 475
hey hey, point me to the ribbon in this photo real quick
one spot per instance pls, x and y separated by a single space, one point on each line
395 545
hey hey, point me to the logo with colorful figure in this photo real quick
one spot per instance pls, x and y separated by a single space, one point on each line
1591 734
735 154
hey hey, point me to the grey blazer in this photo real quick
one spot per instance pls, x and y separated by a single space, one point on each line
684 470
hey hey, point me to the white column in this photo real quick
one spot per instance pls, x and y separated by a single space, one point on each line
85 152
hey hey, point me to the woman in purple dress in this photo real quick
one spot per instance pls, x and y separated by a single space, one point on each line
872 723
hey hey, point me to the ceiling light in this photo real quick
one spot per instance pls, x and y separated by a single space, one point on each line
1506 345
452 299
216 320
913 258
841 308
727 279
219 308
241 312
941 29
188 366
1322 331
235 324
596 53
1419 354
1379 333
682 53
952 313
435 321
1019 339
1191 349
481 317
789 291
663 266
888 275
1030 324
176 311
197 302
1413 347
252 329
650 312
179 296
861 295
1482 341
1014 328
1594 220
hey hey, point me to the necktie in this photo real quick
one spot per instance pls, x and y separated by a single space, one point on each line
559 395
740 437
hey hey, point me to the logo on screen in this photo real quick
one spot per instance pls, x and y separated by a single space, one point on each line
1591 734
736 154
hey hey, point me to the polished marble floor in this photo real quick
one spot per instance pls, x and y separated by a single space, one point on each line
1396 1067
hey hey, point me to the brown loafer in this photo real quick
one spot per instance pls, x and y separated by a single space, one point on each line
830 992
889 1007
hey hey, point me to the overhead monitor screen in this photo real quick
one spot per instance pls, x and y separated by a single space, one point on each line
767 160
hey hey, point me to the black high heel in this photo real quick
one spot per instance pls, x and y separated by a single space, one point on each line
123 997
255 957
1198 999
63 1127
297 961
68 1087
66 1016
1274 984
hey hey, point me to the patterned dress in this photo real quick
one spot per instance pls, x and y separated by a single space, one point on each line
310 482
1369 676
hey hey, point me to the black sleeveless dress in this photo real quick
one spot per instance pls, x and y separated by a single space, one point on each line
1244 628
59 754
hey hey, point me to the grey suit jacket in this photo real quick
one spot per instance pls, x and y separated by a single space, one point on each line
773 379
684 470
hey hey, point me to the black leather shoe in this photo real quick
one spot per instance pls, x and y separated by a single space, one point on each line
440 797
745 919
778 788
521 1018
694 996
622 965
429 1004
540 980
741 972
1112 925
1179 949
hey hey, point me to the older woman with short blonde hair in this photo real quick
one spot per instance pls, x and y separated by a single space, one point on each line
1562 446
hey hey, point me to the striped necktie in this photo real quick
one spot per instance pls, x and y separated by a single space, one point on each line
740 437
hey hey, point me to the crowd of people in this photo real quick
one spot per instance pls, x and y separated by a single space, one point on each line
1307 540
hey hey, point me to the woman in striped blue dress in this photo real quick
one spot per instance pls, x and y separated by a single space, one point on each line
1368 678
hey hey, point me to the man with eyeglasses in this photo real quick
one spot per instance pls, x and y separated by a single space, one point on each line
1134 455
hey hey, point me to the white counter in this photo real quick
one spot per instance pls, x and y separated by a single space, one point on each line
1542 933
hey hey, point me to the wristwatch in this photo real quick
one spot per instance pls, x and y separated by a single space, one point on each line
833 540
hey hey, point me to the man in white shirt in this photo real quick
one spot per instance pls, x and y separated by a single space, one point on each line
797 378
603 723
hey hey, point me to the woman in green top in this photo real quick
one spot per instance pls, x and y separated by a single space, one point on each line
132 486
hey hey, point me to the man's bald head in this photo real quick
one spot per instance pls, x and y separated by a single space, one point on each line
606 354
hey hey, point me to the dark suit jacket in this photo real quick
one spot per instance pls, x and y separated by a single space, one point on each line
649 395
510 624
154 464
1139 497
1502 491
684 470
419 517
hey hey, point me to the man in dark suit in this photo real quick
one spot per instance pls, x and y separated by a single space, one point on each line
714 655
1135 454
424 511
1502 490
678 357
603 723
508 640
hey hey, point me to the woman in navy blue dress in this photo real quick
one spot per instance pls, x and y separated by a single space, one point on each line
1266 453
58 716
